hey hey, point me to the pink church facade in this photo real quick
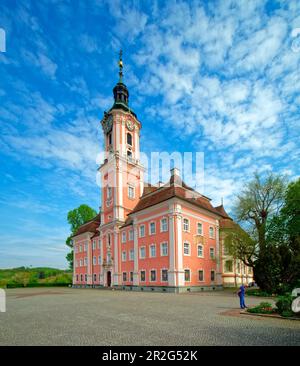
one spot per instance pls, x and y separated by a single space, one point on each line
145 237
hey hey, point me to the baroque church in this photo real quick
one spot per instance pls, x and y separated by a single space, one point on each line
163 237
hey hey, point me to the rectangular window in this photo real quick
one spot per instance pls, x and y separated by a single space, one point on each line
85 261
99 259
81 278
164 275
130 234
124 256
152 250
94 244
187 275
80 248
164 249
199 228
142 252
153 275
124 276
143 276
163 225
85 247
211 232
152 228
142 231
200 251
186 225
131 254
124 237
212 253
80 263
228 266
131 192
76 278
94 261
186 249
85 278
201 275
109 192
99 244
131 276
212 275
95 277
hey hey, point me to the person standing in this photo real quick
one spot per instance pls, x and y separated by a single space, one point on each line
241 294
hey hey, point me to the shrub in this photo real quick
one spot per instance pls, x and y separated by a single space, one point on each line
262 308
257 292
284 304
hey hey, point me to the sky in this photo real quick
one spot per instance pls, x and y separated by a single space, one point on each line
218 77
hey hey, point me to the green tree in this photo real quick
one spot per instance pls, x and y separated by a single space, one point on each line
284 238
76 218
255 208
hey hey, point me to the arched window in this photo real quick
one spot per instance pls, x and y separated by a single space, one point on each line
129 139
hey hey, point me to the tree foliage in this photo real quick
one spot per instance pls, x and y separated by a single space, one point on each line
270 211
76 218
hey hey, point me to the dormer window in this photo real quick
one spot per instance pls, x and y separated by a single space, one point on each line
129 139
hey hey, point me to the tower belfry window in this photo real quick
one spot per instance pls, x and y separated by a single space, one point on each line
129 139
109 139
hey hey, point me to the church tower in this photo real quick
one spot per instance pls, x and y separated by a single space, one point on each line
121 171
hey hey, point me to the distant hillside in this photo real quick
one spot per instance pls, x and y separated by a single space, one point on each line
34 277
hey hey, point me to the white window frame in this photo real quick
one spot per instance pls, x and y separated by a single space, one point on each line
109 192
131 235
212 249
131 254
94 260
187 269
123 277
124 256
188 223
200 256
150 223
142 270
99 259
141 236
161 275
81 263
161 249
200 223
133 190
213 232
189 244
142 247
150 279
200 269
214 280
123 237
85 261
161 225
80 248
150 253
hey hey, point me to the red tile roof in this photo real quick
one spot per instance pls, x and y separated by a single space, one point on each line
90 226
176 188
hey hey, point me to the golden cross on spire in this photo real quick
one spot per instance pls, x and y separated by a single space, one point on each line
120 66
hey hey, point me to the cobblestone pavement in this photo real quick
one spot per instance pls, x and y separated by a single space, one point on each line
64 316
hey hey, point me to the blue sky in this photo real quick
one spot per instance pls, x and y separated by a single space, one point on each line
219 77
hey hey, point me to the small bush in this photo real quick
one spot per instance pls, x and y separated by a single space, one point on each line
284 304
262 308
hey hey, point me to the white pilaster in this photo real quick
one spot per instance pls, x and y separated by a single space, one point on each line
171 272
136 254
116 273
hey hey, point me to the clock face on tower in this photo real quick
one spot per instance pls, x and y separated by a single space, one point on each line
130 125
107 124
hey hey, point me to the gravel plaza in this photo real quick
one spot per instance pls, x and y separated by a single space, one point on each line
64 316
